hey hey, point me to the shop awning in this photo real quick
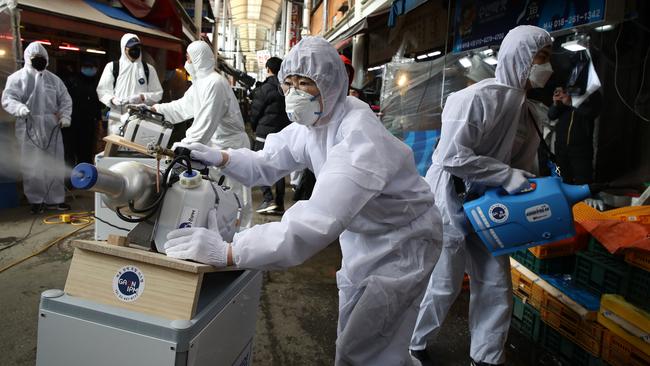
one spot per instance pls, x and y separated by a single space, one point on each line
80 17
362 26
401 7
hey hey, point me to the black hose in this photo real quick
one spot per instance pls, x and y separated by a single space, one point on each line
153 208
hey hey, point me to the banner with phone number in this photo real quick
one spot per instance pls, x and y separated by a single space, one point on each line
480 23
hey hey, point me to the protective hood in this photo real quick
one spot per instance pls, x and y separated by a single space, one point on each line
202 58
126 38
32 50
317 59
516 54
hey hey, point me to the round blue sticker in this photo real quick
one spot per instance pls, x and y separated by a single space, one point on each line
128 283
498 213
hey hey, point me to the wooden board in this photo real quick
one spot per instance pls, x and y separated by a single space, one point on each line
148 257
167 292
113 142
552 291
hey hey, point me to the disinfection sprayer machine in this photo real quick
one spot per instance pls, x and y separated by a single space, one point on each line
125 302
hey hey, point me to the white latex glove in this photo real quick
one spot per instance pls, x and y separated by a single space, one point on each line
517 181
596 203
136 99
210 156
65 122
23 111
117 101
199 244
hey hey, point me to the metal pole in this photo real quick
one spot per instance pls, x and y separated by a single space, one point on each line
324 28
215 30
306 19
358 59
198 16
223 24
287 38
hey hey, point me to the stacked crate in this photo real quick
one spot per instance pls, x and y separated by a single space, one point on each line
579 335
627 334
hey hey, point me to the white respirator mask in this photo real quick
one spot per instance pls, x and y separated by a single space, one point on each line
539 74
190 69
302 107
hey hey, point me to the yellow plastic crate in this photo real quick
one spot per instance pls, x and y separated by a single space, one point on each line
626 321
618 352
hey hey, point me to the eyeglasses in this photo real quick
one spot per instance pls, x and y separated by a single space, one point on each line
303 84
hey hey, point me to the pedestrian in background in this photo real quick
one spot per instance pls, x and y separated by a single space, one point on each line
79 140
128 80
42 106
268 116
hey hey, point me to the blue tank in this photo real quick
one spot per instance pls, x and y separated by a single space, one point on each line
540 215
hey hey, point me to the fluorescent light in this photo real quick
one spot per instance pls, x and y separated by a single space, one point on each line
422 57
434 53
376 68
490 60
604 28
402 81
487 52
45 42
69 48
92 50
465 61
573 46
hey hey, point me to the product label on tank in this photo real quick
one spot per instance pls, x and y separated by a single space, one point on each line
538 212
188 217
498 213
128 283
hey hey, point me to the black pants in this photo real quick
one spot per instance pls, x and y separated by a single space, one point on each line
267 192
79 143
575 169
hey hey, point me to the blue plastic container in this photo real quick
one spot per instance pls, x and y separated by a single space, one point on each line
541 215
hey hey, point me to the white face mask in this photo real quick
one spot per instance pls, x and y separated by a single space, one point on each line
190 69
539 74
302 107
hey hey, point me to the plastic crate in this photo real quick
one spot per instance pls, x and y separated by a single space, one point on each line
618 352
638 258
568 351
596 247
544 266
526 319
526 289
586 334
602 274
564 247
638 289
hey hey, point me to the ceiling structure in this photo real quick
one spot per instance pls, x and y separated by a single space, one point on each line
254 20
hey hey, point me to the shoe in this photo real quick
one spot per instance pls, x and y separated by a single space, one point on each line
58 207
36 208
474 363
266 206
422 356
278 210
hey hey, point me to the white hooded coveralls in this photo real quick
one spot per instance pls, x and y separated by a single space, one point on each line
368 195
39 134
479 128
130 81
217 116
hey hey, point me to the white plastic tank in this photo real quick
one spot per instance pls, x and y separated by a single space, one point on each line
187 204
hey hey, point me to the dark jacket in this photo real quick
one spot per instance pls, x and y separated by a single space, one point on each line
575 127
267 110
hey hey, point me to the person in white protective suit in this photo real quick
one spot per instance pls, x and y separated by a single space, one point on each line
217 116
41 103
368 195
479 131
134 84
